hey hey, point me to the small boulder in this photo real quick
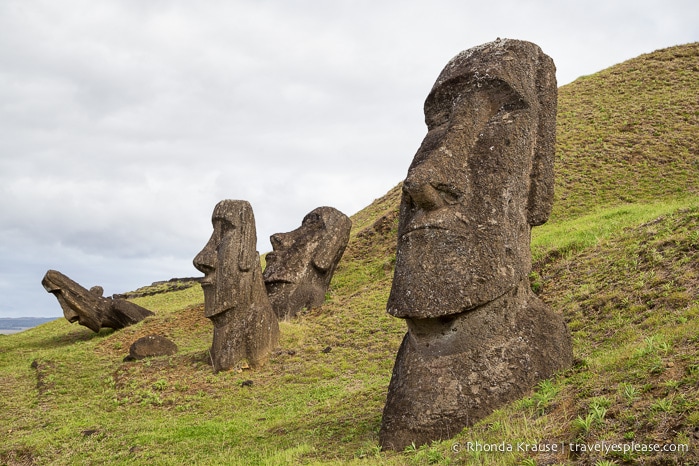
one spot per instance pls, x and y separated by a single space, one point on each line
149 346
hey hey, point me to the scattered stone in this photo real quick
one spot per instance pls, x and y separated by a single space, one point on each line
300 268
150 346
477 335
88 307
235 299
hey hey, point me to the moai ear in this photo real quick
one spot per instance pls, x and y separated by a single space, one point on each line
333 244
325 253
248 238
540 199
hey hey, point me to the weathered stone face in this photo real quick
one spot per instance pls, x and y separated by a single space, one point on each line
477 336
228 258
235 299
303 261
481 178
88 307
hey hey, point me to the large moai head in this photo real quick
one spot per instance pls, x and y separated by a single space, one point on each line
482 177
303 261
228 258
477 337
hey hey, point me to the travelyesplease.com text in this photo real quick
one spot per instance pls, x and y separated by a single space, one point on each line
598 447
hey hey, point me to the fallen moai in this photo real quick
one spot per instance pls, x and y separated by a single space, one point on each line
89 307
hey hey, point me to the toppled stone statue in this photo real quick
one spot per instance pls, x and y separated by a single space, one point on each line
235 299
477 335
89 307
300 268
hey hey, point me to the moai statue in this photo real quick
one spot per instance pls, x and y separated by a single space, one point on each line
245 326
477 336
88 307
299 269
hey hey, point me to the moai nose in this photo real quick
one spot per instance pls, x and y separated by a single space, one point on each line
280 241
205 261
419 187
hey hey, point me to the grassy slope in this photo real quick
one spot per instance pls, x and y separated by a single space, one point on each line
628 134
618 258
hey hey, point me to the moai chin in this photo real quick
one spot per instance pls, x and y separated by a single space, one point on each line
88 307
483 176
235 300
300 268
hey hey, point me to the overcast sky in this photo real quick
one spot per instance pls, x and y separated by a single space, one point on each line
122 123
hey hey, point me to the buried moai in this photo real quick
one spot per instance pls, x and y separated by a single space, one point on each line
477 335
235 299
88 307
299 270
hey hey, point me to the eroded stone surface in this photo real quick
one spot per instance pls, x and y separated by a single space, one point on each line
235 299
88 307
300 268
482 177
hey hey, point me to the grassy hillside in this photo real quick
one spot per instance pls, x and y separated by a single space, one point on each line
628 134
619 259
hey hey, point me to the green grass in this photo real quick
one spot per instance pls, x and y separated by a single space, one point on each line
559 239
618 259
628 134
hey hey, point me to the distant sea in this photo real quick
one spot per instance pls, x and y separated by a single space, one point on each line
17 324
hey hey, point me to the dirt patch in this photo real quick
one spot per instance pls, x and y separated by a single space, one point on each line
17 458
43 370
